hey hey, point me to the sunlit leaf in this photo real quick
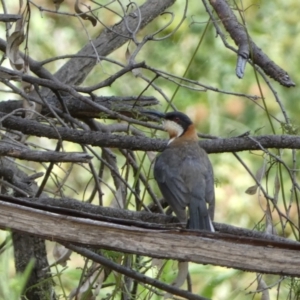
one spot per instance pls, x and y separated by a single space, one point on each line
270 228
27 87
251 190
118 199
127 53
260 173
151 155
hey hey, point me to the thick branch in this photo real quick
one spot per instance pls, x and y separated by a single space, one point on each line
141 219
109 40
77 69
200 247
55 85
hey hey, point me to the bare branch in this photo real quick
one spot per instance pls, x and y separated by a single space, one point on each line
43 156
146 144
247 48
55 85
141 219
9 18
109 40
208 248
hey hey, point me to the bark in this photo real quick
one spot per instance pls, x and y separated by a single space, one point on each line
25 153
142 219
249 254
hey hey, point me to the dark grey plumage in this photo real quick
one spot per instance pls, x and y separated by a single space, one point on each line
185 177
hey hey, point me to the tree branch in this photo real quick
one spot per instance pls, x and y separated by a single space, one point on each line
203 247
142 219
246 47
77 69
128 106
109 40
9 18
43 156
34 128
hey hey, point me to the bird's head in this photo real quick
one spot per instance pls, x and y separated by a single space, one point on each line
175 123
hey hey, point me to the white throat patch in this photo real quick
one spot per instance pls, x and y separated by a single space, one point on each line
174 130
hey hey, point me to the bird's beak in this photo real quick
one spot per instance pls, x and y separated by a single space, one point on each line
154 113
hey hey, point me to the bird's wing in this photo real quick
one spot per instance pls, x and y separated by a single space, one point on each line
196 176
209 182
172 186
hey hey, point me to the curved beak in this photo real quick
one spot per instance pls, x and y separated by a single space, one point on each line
154 113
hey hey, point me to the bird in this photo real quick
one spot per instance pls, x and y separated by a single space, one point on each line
184 173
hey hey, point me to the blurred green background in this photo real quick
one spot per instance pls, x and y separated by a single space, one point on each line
274 26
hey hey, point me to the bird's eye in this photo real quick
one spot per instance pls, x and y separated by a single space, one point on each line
176 119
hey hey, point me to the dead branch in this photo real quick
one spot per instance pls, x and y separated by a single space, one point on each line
109 40
246 47
57 86
43 156
141 219
77 69
208 248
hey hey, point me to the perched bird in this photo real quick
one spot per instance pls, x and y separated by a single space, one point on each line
184 173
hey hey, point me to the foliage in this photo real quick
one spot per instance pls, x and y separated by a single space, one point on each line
11 287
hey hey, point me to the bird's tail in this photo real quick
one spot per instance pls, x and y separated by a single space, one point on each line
199 217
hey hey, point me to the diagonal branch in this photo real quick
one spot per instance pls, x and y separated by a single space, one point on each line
76 70
133 274
246 47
